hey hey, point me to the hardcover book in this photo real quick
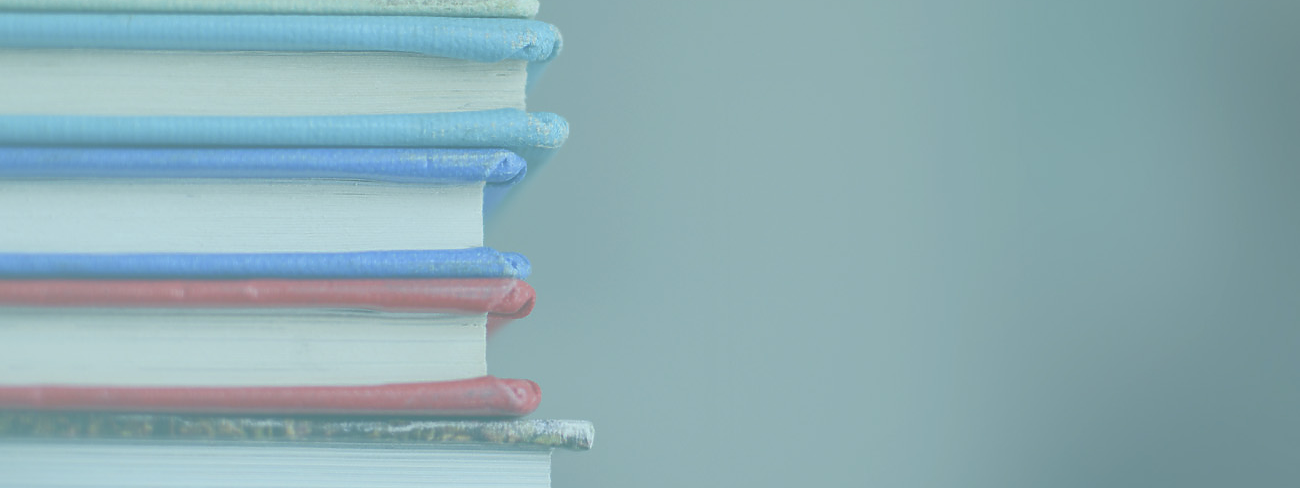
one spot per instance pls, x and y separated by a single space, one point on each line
250 332
247 200
47 449
414 347
532 136
440 8
266 65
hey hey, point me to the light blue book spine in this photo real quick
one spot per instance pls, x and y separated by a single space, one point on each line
533 136
486 40
440 8
390 165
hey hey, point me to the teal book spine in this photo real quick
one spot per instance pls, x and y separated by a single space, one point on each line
439 8
486 40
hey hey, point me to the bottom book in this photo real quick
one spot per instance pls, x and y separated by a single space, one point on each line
46 449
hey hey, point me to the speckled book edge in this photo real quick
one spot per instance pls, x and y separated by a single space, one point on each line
576 435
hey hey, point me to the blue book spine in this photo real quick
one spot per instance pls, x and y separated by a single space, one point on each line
464 263
498 168
476 39
486 40
393 165
533 136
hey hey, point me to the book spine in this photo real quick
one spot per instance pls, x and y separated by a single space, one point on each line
504 128
441 8
506 298
486 40
478 397
393 165
570 434
462 263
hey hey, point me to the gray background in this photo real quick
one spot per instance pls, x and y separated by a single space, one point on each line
917 243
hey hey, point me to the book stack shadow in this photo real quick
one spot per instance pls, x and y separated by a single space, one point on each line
241 243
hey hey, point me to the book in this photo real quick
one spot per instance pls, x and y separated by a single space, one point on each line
475 397
247 200
532 136
41 449
479 262
250 332
441 8
107 64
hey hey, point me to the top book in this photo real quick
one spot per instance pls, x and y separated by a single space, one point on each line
115 64
439 8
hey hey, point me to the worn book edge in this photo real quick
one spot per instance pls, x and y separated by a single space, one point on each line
575 435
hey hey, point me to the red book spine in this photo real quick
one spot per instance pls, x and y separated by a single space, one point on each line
505 298
486 396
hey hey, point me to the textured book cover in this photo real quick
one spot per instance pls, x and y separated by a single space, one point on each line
499 169
440 8
501 297
479 262
545 434
503 300
478 397
533 136
474 39
396 165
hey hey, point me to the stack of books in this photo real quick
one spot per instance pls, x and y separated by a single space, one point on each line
241 242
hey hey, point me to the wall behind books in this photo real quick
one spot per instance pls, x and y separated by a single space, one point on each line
962 243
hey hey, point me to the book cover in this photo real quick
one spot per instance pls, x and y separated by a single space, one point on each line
479 262
510 298
504 300
575 435
475 39
441 8
498 168
533 136
477 397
